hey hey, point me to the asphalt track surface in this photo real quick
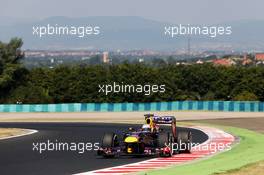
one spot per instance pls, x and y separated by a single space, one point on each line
17 155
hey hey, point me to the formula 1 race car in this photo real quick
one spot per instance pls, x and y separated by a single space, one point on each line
148 140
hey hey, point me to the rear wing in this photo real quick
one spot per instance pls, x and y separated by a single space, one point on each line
160 119
151 119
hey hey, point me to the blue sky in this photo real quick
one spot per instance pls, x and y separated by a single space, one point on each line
177 11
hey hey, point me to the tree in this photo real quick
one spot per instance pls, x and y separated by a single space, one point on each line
11 70
30 94
246 96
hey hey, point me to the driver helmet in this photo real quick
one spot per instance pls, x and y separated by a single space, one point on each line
146 128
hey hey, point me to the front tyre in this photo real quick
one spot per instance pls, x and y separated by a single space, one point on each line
109 142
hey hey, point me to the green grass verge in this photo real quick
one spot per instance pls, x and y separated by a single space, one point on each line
249 150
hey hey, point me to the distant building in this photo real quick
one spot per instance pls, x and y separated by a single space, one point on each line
223 62
199 62
245 56
259 56
52 60
246 60
106 57
141 60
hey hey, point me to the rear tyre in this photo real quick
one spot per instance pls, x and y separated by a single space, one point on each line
163 141
184 141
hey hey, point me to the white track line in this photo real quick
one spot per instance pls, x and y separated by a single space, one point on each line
29 132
